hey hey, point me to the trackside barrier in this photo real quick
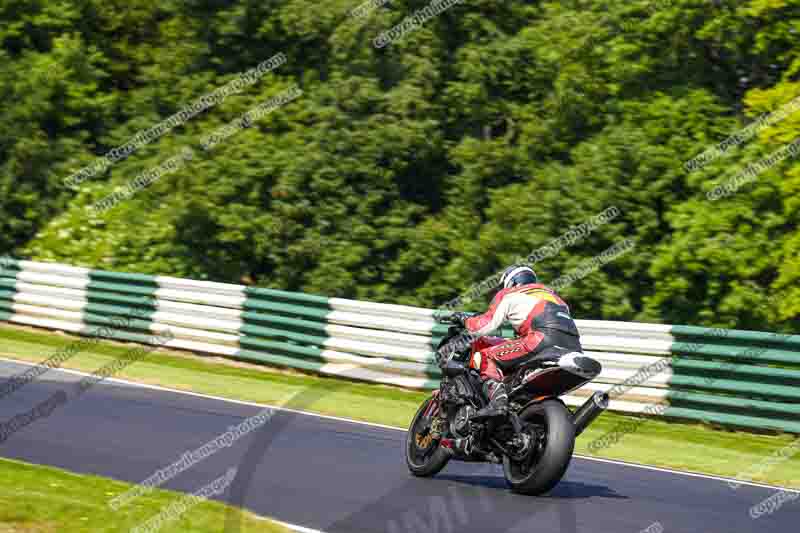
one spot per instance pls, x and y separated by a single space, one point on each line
729 377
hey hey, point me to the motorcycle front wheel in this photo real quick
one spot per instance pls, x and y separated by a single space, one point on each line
552 440
424 456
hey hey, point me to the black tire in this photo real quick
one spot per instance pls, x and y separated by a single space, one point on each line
553 454
422 463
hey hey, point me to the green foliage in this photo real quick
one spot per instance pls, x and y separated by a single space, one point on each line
408 173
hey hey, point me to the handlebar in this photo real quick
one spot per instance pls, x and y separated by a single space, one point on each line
449 319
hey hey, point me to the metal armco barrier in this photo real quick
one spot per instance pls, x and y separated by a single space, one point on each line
729 377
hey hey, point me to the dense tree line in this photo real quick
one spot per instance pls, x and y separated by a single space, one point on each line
408 173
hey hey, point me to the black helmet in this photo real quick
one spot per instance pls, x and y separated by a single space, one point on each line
517 275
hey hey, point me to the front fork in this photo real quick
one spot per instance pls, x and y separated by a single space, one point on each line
433 412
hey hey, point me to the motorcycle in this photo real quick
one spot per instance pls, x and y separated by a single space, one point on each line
534 441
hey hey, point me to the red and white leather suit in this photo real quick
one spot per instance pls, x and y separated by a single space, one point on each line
534 311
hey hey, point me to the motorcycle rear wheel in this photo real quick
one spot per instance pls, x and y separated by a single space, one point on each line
424 456
550 423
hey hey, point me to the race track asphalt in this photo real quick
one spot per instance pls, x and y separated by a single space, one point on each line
340 476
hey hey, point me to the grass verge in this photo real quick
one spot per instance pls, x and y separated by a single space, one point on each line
42 499
684 446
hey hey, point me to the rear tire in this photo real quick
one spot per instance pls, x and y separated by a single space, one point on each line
423 462
553 451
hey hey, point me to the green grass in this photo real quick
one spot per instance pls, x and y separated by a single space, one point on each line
41 499
685 446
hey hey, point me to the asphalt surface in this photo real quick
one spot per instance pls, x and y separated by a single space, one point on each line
337 476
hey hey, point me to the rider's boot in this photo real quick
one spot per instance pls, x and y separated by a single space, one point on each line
463 446
498 401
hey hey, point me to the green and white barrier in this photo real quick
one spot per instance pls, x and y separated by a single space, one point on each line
738 378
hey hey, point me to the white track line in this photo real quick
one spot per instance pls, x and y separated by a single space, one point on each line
295 527
383 426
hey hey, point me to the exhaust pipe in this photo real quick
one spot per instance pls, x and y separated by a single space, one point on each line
589 411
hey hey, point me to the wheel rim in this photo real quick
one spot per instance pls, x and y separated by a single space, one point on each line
421 444
520 471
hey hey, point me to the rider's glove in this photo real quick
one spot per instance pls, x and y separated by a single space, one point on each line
460 317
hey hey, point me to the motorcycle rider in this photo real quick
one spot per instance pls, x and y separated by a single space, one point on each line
541 320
